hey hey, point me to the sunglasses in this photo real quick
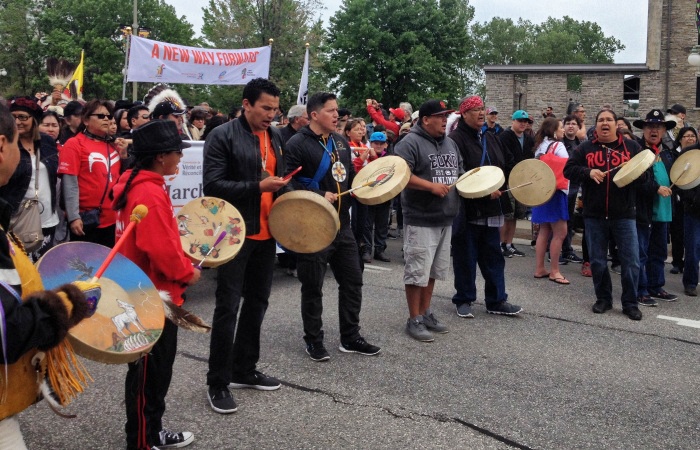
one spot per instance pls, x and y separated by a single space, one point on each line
102 116
22 117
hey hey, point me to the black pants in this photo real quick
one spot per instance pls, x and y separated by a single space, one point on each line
377 225
249 275
147 383
677 233
344 260
103 236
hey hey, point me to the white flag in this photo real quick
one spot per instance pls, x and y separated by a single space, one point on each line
304 83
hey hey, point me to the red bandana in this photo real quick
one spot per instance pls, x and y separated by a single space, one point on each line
470 102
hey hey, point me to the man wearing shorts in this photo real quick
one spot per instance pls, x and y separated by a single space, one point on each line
429 207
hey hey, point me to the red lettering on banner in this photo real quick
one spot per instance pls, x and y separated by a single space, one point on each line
154 52
169 53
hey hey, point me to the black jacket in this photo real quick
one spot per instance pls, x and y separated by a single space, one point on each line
232 168
509 141
287 133
467 139
13 192
604 200
306 149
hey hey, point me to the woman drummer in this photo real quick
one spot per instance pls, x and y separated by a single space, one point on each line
552 215
155 247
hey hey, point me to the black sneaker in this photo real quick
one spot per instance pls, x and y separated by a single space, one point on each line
573 258
256 380
317 352
514 251
169 439
503 308
633 313
600 306
691 292
645 300
663 295
506 251
221 400
360 346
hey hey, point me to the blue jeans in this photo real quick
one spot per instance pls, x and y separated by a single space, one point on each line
598 235
643 236
658 252
691 229
472 245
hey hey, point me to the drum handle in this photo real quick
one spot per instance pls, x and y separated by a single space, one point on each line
685 169
473 172
615 168
137 215
356 188
519 186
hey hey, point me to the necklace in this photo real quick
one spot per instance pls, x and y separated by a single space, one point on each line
265 173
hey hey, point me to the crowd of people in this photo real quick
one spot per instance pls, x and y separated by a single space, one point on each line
89 163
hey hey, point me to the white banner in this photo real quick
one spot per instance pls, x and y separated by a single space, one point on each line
303 94
160 62
186 184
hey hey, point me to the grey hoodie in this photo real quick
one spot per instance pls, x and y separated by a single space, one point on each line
434 160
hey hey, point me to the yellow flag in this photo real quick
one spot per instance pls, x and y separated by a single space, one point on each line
77 80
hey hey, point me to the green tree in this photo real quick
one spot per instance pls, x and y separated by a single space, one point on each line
252 23
32 30
399 50
555 41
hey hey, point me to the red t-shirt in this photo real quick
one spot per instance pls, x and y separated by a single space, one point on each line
266 198
87 159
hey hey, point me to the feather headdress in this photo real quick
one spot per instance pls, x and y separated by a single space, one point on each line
167 95
60 72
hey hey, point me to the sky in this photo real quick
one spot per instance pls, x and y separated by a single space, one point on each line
625 20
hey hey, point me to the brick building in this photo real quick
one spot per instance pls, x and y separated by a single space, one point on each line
664 79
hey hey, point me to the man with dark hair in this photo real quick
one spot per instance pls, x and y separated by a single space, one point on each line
72 116
242 165
325 158
137 116
571 126
298 118
344 115
491 124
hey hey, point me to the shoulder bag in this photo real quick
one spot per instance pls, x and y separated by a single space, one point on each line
26 224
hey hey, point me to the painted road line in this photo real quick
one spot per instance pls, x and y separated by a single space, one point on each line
681 321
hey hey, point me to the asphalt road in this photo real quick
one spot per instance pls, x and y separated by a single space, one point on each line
556 377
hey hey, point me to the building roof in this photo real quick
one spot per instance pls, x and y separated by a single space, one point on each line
571 68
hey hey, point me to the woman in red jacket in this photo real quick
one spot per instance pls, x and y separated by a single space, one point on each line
155 247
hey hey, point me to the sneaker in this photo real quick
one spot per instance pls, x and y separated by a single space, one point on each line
465 310
221 400
506 251
633 313
418 331
562 261
616 269
367 258
514 251
586 270
691 292
663 295
390 236
573 258
360 346
381 257
503 308
645 300
433 324
317 352
168 439
676 270
256 380
600 306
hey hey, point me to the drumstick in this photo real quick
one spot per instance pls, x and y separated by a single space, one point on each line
137 215
356 188
218 240
519 186
472 173
291 174
615 168
685 169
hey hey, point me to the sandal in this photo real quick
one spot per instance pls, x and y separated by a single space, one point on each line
560 280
